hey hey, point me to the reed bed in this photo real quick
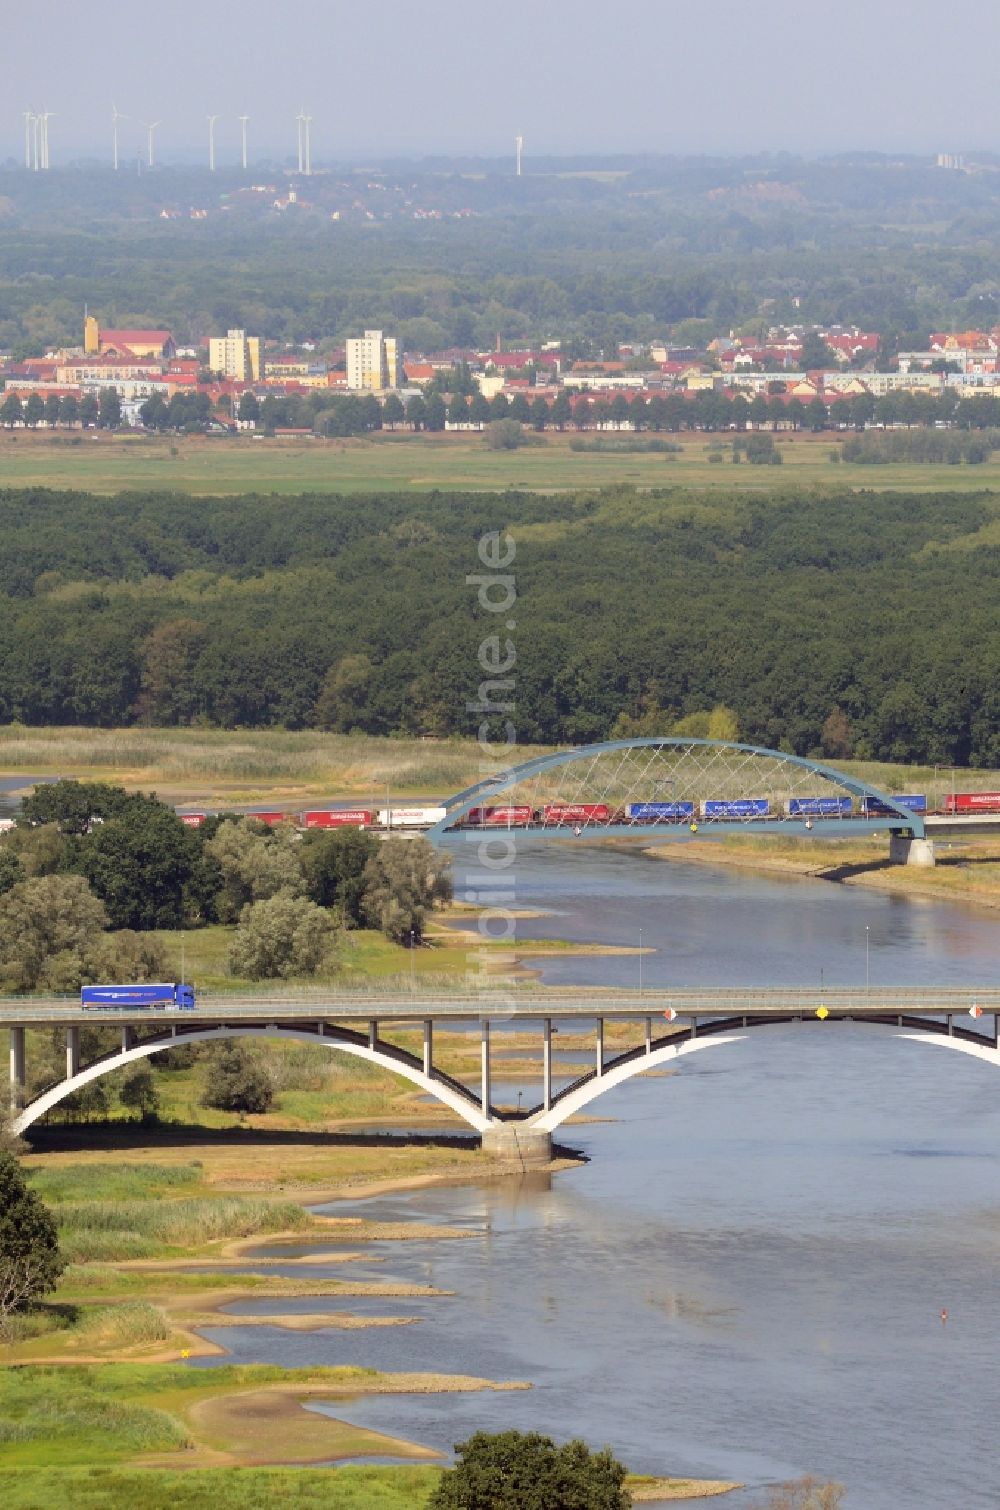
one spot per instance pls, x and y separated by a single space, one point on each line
180 1223
61 1183
125 1325
303 761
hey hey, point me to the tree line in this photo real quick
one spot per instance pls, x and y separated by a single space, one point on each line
341 414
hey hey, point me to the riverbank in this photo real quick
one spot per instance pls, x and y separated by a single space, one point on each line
967 870
101 1365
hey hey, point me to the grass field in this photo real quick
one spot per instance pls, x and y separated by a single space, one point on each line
197 464
274 766
216 766
294 1488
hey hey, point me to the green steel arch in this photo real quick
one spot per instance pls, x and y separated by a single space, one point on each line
724 761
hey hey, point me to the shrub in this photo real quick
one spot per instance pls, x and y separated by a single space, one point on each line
515 1470
505 435
238 1080
138 1093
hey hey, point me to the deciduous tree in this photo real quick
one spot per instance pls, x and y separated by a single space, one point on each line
281 937
333 863
139 862
403 881
255 863
42 919
30 1261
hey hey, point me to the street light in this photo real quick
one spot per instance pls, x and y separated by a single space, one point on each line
640 959
868 967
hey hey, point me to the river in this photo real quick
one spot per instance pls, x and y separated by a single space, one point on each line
746 1279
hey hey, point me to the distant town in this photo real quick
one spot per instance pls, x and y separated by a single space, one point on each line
786 377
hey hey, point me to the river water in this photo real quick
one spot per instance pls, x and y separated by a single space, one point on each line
746 1279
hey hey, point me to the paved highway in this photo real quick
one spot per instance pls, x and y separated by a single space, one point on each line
555 1002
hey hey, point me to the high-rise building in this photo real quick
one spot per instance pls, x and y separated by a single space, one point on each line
237 355
374 362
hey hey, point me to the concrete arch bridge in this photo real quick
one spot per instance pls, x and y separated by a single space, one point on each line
644 1030
669 787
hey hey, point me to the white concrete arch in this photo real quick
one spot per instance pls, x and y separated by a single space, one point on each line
616 1073
465 1106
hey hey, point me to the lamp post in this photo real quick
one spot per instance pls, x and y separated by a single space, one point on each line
868 967
640 961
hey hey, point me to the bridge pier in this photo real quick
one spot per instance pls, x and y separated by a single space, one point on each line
485 1087
515 1143
17 1075
904 850
72 1052
547 1064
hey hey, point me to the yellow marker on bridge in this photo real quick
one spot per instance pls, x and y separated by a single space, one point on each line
822 1013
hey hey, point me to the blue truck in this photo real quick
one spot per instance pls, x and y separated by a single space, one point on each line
659 812
916 802
737 807
818 807
153 994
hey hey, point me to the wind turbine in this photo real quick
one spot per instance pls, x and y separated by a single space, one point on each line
243 132
307 121
519 151
300 122
36 142
45 137
29 124
116 116
211 142
150 145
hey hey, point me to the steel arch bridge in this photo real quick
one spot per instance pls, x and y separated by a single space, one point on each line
669 787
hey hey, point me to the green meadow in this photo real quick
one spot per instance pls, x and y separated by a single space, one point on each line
460 462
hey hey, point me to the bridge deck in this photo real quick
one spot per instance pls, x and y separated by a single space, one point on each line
931 1001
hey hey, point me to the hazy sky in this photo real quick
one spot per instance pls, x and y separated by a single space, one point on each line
417 76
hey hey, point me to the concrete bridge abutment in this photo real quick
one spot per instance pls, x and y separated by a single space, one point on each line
515 1143
904 850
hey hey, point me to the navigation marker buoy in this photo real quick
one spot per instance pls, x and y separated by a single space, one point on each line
822 1013
975 1010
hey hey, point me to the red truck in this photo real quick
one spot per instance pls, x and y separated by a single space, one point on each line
576 812
515 816
339 817
972 802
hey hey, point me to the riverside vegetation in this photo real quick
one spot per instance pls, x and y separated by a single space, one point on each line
85 858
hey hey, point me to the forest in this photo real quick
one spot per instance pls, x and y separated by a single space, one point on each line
455 253
634 611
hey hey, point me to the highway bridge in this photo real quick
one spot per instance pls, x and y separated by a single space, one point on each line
661 1027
